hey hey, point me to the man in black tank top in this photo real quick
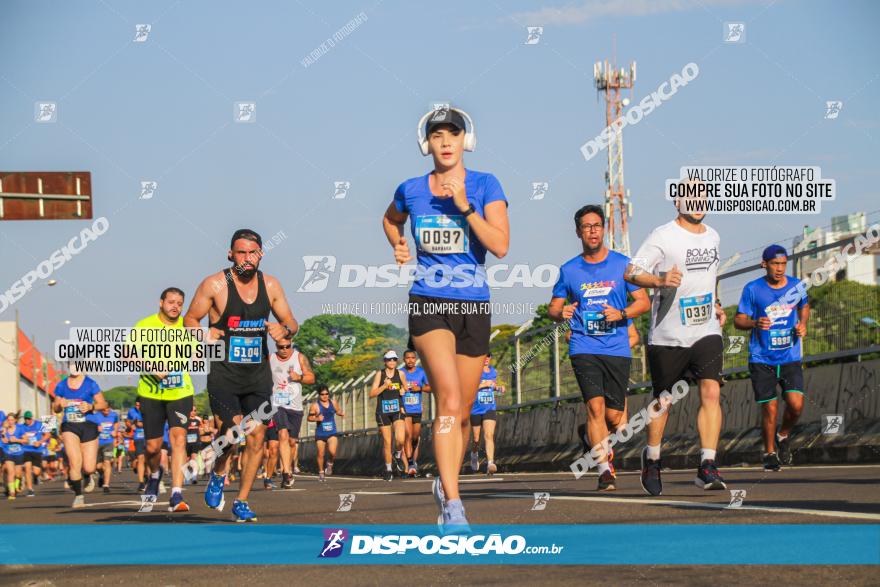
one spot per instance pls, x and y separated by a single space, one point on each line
238 302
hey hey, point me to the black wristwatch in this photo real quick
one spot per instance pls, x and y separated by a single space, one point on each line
289 332
623 314
469 211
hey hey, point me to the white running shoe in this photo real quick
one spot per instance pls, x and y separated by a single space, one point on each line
90 486
491 469
79 502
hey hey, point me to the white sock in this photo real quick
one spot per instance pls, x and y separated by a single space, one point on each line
154 475
387 466
397 455
707 454
653 452
603 467
781 436
175 490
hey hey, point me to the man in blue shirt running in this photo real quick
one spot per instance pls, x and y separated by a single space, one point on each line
778 321
591 294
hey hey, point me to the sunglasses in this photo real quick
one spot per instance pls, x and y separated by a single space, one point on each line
283 348
391 359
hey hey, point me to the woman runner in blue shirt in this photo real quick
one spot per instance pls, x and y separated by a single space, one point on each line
457 215
323 413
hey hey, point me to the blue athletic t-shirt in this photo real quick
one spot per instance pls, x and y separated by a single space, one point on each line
134 415
412 400
86 393
105 426
780 344
485 400
450 259
591 285
35 432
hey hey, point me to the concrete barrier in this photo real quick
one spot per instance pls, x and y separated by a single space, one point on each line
548 438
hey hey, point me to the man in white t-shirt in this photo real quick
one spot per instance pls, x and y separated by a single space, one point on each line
290 370
679 260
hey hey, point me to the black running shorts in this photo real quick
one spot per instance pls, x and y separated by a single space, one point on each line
469 322
788 376
669 364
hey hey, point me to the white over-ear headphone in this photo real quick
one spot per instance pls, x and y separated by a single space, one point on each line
470 134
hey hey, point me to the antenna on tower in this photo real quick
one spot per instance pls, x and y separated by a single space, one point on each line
618 208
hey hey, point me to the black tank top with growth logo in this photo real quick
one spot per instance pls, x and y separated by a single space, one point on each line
245 368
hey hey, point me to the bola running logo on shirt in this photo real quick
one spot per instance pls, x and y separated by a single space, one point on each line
701 259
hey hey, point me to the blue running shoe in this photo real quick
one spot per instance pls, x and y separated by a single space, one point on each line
176 503
214 492
241 512
454 520
152 489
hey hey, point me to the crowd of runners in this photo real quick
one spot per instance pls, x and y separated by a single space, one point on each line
456 217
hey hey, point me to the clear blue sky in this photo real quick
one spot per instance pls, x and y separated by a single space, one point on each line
163 110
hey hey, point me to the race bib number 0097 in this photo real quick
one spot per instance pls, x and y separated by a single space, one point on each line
441 234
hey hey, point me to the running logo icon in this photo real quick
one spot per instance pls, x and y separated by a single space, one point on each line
539 189
341 189
734 32
534 35
832 109
832 424
735 344
318 270
346 500
245 112
148 189
346 344
441 112
736 498
334 542
141 32
180 417
45 112
541 501
446 424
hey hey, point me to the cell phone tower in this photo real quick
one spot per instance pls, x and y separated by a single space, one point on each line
618 208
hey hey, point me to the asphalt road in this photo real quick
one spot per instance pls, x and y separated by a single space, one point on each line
800 495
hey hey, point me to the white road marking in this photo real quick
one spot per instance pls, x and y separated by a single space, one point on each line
377 492
132 502
696 504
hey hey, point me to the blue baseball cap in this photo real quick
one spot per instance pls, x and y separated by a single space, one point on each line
774 251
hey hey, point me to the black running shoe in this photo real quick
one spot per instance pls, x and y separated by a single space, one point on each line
651 482
387 476
142 486
783 447
606 482
106 489
771 462
286 481
398 465
708 476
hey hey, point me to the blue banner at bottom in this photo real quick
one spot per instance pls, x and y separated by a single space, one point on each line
257 544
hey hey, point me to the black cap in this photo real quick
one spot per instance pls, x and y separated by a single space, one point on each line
445 116
248 234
